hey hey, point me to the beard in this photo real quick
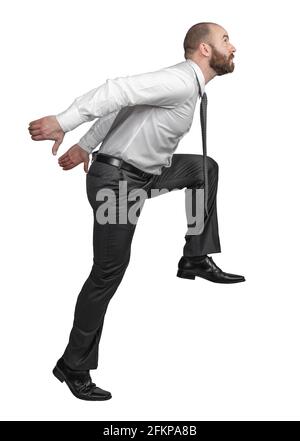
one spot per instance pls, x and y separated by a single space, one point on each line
221 63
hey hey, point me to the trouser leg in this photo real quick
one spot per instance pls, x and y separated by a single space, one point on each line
92 302
186 171
112 247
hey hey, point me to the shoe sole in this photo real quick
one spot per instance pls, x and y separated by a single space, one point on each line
61 377
185 275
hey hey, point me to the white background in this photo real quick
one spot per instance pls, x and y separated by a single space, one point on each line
171 349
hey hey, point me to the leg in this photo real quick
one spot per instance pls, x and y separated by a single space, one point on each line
111 245
186 170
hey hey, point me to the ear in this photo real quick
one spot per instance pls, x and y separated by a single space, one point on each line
205 49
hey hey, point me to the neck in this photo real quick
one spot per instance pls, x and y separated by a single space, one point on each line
207 71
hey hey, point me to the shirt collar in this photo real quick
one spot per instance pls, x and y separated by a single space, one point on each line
199 74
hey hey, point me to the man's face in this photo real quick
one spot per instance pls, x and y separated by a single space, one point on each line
222 52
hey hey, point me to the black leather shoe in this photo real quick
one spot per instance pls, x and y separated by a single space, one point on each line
205 267
79 383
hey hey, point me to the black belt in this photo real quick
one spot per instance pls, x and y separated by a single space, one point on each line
117 162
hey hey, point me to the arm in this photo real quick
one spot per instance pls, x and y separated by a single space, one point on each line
164 88
80 152
97 132
160 88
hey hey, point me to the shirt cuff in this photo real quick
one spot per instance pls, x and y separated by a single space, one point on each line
70 118
88 142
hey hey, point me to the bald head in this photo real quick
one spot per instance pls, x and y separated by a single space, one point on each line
198 33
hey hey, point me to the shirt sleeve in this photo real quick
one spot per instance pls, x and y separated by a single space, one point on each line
96 134
163 88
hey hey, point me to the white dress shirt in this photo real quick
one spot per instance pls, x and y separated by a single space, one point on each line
141 118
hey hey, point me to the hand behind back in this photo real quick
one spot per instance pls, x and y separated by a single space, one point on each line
48 128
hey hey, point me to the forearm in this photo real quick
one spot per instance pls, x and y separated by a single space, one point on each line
97 103
96 134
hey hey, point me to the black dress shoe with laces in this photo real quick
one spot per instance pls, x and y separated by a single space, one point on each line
205 267
79 383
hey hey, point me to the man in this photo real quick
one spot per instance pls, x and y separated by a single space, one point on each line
140 121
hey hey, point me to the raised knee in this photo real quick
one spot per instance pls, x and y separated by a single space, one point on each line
212 165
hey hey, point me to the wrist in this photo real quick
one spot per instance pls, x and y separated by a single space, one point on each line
69 119
88 142
85 147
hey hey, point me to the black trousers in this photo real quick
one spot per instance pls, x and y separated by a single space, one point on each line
112 243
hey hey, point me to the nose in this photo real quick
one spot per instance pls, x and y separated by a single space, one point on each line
233 49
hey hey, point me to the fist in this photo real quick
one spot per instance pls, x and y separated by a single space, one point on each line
47 128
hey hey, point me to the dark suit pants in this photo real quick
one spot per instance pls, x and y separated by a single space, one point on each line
112 242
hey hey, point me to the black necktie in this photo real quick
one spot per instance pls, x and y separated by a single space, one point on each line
203 120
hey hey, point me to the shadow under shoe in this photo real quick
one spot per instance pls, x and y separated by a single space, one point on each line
205 267
79 383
